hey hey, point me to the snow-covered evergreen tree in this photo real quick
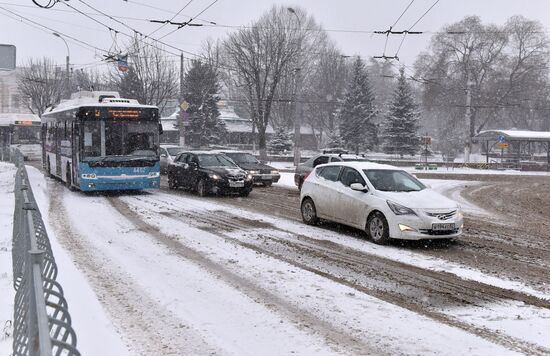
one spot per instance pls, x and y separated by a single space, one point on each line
201 92
130 87
280 142
357 112
400 127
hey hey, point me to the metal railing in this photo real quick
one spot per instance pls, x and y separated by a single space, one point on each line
42 323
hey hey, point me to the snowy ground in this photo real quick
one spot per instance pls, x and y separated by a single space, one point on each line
172 274
7 173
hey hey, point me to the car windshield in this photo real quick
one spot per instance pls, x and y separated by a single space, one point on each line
393 180
219 160
172 151
242 157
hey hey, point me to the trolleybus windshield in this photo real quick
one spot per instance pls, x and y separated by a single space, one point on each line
119 139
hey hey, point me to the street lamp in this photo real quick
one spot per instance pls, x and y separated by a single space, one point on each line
67 75
297 104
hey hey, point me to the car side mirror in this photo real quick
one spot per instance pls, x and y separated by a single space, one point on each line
359 187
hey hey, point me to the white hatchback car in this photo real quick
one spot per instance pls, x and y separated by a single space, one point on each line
385 201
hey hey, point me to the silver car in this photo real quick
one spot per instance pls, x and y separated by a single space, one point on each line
167 155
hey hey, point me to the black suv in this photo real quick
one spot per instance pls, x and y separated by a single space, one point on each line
207 172
261 173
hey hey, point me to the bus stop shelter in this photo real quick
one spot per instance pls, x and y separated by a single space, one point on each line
517 148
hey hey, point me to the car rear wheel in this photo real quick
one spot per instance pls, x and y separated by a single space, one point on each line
309 213
201 188
377 228
171 182
49 169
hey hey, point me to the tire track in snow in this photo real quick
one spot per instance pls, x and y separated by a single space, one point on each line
338 339
450 288
146 327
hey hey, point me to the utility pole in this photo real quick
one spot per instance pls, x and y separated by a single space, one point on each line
181 76
468 118
297 118
67 67
183 107
297 102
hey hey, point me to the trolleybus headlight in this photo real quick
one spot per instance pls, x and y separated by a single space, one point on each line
154 174
89 176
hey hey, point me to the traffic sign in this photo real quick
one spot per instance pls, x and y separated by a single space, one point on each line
501 145
501 139
184 105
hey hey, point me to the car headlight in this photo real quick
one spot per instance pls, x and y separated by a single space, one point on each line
215 176
249 176
275 172
400 209
154 174
89 176
254 172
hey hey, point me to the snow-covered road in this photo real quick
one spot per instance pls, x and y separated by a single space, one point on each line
158 273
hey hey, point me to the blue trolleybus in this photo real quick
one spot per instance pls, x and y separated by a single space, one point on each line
97 141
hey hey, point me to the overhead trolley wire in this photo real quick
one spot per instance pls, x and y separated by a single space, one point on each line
414 24
131 28
51 30
167 11
173 17
186 23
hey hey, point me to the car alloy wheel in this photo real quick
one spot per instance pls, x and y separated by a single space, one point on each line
309 213
377 228
201 188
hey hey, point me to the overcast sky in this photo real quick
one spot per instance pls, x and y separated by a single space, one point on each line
343 15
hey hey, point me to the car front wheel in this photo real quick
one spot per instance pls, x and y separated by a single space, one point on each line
201 188
377 228
309 213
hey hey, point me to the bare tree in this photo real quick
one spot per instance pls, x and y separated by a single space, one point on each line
481 74
154 75
42 83
259 56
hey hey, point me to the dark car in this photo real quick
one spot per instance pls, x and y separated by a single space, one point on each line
207 172
303 169
261 173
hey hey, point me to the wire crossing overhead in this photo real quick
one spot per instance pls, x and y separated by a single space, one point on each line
391 32
136 32
164 23
190 20
179 24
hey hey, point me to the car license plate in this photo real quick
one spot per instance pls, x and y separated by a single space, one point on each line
443 227
236 184
267 177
